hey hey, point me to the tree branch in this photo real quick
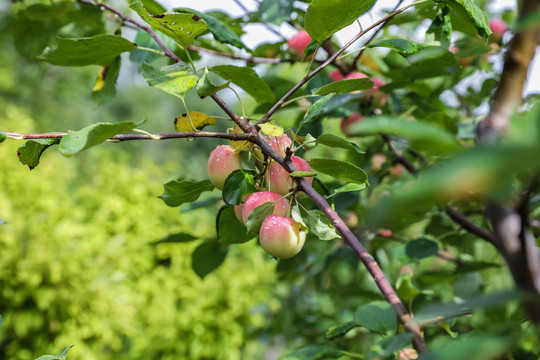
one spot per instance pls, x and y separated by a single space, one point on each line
353 65
470 226
127 137
513 235
249 59
330 60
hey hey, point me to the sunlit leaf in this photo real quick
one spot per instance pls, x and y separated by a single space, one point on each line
176 79
323 17
272 129
206 88
341 330
475 14
335 141
183 28
315 110
195 121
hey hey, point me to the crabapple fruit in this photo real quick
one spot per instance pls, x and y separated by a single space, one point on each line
299 42
498 28
222 162
261 197
347 122
281 236
335 75
278 179
279 143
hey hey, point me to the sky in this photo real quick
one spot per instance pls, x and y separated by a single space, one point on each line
256 34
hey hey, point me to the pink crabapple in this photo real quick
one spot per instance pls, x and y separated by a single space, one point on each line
498 28
279 143
281 236
347 122
278 179
298 43
256 199
222 162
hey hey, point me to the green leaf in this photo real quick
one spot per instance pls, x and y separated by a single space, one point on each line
389 345
341 170
207 257
377 316
441 27
406 290
61 356
475 14
153 7
96 50
419 54
324 18
205 86
313 352
341 330
77 141
30 153
335 141
315 110
349 188
221 31
177 192
229 229
300 174
2 137
238 183
275 12
422 135
344 86
479 173
451 310
176 79
247 79
319 225
175 239
256 218
416 250
105 89
182 28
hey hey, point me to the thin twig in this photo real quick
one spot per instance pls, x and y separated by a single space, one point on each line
353 65
330 60
401 158
470 226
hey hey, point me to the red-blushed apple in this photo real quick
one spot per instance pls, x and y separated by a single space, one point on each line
350 219
335 75
281 236
348 121
397 171
222 162
356 75
298 43
498 28
257 199
279 143
278 179
384 233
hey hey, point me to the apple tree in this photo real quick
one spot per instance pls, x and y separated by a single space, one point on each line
409 149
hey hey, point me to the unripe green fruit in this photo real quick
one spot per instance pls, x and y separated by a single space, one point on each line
222 162
257 199
278 179
281 236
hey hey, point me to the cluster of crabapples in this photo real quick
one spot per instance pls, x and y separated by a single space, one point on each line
279 235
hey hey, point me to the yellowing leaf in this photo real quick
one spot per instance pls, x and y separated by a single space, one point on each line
272 129
100 83
198 121
238 145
